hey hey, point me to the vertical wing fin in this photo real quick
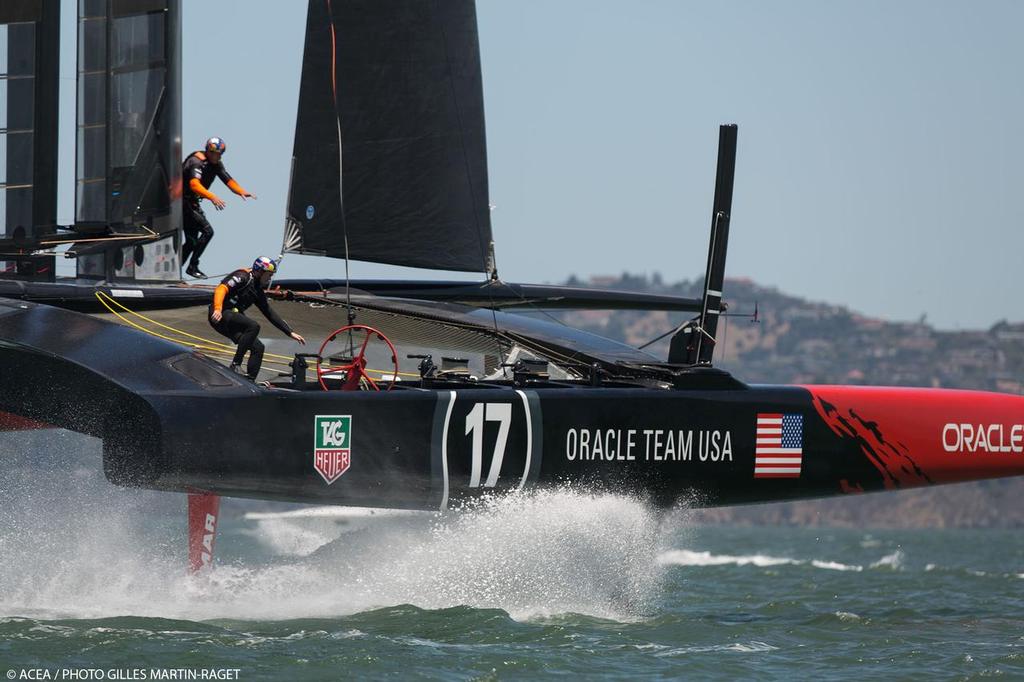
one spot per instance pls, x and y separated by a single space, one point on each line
203 514
698 341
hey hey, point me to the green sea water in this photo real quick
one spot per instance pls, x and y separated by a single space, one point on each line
545 585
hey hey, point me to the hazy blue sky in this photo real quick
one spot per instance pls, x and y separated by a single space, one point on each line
880 148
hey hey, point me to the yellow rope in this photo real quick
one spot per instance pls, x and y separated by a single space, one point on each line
206 345
230 349
210 347
105 298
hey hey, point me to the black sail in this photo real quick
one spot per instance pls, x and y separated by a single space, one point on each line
413 165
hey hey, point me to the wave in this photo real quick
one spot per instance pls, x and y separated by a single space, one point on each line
735 647
892 561
685 557
835 565
963 571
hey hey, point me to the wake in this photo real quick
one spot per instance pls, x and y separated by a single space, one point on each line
80 548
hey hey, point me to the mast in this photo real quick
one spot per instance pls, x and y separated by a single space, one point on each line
30 36
721 213
694 342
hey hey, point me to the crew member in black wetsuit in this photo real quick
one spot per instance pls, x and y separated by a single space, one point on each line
197 173
238 291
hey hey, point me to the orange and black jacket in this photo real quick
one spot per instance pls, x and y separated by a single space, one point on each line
241 289
198 173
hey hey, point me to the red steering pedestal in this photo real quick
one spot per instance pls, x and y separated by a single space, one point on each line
353 369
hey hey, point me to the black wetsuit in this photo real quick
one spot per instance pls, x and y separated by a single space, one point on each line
244 290
198 232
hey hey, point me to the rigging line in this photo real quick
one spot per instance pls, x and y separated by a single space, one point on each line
677 328
499 337
220 276
551 354
565 358
341 196
497 330
207 349
454 324
476 329
138 237
153 333
104 298
532 304
659 338
683 324
528 302
223 354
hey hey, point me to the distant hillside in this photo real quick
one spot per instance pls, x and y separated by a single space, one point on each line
800 341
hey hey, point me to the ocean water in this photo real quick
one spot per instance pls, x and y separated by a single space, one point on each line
549 584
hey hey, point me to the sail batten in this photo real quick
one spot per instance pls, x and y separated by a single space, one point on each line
412 163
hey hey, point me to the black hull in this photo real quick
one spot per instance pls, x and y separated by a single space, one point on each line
412 450
177 421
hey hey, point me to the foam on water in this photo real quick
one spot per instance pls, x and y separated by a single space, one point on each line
303 531
95 550
892 561
835 566
532 554
753 647
686 557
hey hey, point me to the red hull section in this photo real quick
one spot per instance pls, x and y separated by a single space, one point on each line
13 422
916 436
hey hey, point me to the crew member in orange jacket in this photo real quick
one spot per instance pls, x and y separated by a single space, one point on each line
197 173
239 290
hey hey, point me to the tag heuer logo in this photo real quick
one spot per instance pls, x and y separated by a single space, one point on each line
332 446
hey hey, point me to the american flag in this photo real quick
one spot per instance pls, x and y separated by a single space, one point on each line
780 446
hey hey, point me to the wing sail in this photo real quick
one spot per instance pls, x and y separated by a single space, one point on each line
395 83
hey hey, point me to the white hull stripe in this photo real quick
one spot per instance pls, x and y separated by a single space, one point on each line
529 440
444 450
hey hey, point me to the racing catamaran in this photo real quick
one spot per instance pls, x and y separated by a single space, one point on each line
389 165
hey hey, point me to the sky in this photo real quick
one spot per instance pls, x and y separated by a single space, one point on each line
879 162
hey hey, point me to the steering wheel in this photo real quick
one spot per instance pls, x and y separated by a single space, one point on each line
354 369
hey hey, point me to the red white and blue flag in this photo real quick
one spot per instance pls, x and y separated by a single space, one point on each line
779 448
